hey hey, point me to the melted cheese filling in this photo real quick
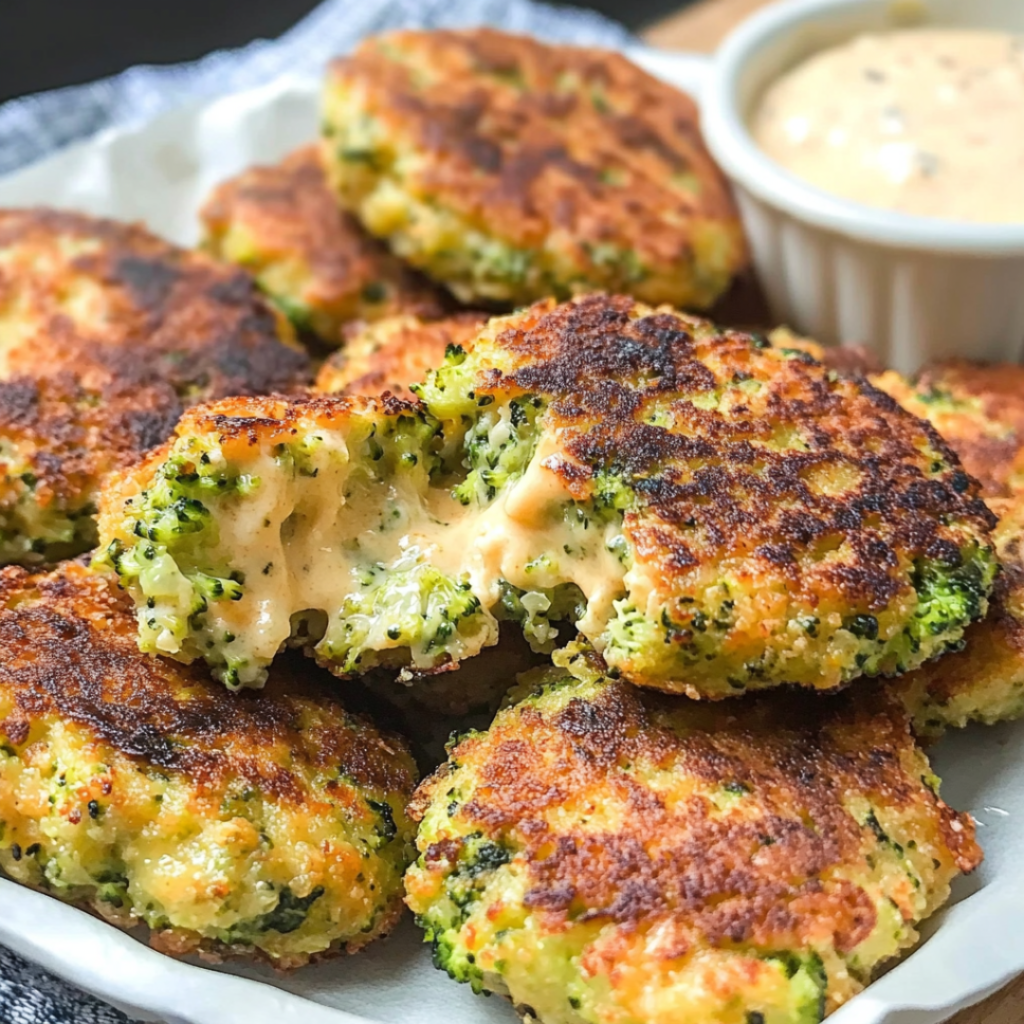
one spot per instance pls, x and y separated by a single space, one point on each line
305 547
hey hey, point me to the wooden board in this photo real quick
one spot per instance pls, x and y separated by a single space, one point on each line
702 27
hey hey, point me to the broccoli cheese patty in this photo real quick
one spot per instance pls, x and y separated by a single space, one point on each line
773 520
263 824
511 170
106 334
315 262
985 681
713 515
392 354
978 408
605 855
311 522
979 411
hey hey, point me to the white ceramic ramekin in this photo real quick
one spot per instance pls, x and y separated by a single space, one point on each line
911 288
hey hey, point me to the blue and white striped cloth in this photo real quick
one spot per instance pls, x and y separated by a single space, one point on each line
34 126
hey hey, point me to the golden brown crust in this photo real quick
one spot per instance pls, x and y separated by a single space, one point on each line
979 410
289 215
984 681
766 877
65 436
536 140
740 479
998 389
68 648
851 359
244 423
392 354
108 334
161 313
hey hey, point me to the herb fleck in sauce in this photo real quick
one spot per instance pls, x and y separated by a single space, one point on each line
923 121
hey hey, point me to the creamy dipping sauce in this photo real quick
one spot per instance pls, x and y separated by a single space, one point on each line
923 121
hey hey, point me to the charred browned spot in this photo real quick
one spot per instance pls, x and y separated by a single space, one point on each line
67 436
290 215
447 850
798 457
150 281
732 821
67 649
170 315
522 136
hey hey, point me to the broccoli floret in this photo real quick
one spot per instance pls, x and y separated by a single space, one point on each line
451 957
448 391
387 829
478 859
632 632
400 444
612 494
950 597
112 886
808 984
498 448
688 634
419 613
536 610
289 914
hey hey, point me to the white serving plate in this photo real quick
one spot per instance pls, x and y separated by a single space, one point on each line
159 173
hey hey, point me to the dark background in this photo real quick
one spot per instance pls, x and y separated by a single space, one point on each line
50 43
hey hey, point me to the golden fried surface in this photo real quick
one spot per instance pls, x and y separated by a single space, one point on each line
714 514
854 359
106 334
241 424
92 295
760 491
57 438
318 265
270 823
512 170
979 410
392 354
985 681
603 854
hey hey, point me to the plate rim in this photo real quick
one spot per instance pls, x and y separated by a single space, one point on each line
123 971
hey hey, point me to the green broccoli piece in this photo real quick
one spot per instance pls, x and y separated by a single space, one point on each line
535 611
418 614
808 984
498 448
478 859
